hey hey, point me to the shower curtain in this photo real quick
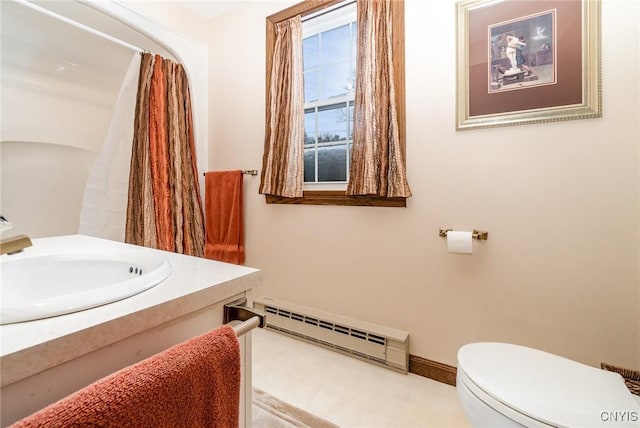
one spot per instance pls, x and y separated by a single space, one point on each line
104 203
164 209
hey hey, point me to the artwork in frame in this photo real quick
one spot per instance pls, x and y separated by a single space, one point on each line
527 61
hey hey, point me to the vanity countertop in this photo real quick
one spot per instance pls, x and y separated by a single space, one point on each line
195 283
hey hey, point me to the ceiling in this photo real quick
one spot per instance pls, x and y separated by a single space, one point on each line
211 8
28 49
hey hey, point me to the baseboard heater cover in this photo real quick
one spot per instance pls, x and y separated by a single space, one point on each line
382 345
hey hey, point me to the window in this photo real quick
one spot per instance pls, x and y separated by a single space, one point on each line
329 68
325 156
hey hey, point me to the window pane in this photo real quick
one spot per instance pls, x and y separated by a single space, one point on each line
311 85
310 165
351 120
309 126
354 54
335 45
354 41
332 163
311 52
336 80
332 123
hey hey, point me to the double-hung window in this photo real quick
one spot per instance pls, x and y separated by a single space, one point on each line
335 117
329 69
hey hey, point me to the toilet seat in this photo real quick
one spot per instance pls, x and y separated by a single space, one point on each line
463 381
535 388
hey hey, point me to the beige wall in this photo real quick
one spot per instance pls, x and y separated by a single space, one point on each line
560 270
172 15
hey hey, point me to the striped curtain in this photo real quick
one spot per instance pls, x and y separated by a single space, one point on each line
283 162
377 161
164 208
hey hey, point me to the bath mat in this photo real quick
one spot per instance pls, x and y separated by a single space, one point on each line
631 377
270 412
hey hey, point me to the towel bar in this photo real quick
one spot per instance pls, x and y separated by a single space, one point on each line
244 171
246 326
238 311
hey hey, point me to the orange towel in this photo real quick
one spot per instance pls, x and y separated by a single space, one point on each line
193 384
224 228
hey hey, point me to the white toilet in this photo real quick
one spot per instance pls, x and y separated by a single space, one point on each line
504 385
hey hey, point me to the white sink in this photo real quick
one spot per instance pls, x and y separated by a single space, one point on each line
43 282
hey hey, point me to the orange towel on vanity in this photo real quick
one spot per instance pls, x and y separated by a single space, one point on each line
224 224
193 384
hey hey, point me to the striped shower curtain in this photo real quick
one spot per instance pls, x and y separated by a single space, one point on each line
164 208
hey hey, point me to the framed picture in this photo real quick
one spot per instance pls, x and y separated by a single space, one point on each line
527 61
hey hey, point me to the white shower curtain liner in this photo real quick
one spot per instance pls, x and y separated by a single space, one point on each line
104 204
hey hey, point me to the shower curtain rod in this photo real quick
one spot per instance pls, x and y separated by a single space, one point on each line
79 25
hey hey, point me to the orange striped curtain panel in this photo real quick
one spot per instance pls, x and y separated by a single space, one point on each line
164 208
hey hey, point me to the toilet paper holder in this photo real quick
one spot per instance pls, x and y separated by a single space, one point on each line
476 234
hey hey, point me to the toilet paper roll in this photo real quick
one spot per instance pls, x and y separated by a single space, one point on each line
460 242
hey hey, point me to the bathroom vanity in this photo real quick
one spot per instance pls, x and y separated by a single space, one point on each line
45 360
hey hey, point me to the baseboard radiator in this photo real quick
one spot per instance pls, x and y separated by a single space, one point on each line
381 345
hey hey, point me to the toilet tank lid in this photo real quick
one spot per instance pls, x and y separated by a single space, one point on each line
547 387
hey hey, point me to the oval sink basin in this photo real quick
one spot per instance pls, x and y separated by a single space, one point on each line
36 286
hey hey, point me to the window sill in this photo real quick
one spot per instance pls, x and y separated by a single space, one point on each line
334 197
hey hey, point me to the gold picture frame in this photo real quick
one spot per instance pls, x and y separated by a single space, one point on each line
521 62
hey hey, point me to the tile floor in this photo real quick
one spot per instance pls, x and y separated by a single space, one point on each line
347 391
